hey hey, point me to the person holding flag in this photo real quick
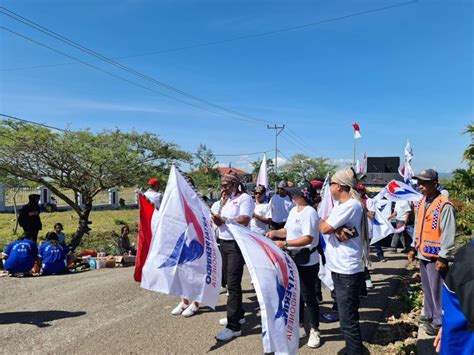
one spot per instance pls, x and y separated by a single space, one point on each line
301 234
347 253
240 208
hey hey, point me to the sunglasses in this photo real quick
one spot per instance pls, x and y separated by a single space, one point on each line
257 193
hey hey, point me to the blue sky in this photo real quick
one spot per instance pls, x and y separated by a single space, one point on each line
403 73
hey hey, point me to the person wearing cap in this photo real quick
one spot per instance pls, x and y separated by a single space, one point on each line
29 218
53 255
239 207
433 242
153 193
281 204
347 253
261 218
301 238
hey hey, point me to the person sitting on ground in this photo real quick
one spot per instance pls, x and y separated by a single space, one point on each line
123 245
53 255
20 256
58 229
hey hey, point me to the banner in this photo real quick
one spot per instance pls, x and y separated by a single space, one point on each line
399 191
381 227
324 209
183 259
262 178
276 281
148 221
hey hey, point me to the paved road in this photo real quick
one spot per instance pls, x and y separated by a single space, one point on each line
104 310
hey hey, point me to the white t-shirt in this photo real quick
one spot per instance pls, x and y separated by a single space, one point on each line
281 207
264 210
241 205
345 257
216 206
402 208
305 222
154 196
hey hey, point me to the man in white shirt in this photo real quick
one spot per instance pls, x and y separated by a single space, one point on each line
401 213
239 207
346 250
281 204
261 218
153 193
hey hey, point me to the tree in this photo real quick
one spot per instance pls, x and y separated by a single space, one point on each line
468 155
206 174
301 167
83 162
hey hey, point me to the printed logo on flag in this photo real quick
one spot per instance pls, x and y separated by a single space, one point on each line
285 286
199 235
395 189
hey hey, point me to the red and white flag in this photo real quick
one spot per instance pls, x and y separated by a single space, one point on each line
276 280
356 130
148 221
183 259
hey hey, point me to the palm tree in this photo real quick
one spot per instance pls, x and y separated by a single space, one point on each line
468 155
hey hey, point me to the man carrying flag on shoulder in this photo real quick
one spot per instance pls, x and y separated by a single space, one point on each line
239 207
435 228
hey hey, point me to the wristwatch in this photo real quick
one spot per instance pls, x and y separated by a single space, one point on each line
286 244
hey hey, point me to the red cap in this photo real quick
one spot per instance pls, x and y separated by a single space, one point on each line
316 183
153 182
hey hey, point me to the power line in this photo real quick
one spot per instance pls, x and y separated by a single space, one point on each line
122 78
299 139
241 154
234 39
297 144
33 122
110 61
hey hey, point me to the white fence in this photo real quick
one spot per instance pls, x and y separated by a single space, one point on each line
104 199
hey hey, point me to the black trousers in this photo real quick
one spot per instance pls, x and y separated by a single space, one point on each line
235 267
276 225
347 289
308 299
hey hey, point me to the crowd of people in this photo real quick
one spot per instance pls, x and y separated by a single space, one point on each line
291 220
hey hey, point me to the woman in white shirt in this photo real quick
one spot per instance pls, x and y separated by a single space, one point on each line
239 207
261 218
302 237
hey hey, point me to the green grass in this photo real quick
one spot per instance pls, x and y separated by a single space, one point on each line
100 238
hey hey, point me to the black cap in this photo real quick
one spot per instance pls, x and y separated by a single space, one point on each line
427 175
304 189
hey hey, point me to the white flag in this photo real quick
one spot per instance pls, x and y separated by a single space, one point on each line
381 227
324 210
262 178
183 259
399 191
408 152
276 281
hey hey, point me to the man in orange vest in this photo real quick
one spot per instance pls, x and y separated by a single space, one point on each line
433 240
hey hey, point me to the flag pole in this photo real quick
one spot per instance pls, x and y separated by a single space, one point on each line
354 159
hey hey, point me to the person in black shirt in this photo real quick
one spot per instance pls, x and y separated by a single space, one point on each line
29 218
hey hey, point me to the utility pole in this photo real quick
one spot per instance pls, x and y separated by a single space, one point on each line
278 130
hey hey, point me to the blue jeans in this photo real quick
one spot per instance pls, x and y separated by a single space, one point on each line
347 288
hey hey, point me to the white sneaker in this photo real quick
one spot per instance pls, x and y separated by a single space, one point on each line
190 311
303 333
179 309
369 284
314 340
223 321
227 334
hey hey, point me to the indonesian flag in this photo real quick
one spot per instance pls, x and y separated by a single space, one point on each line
183 259
148 221
324 210
356 130
276 281
400 191
262 178
381 227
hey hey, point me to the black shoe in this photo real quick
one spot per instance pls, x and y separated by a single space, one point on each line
424 320
431 329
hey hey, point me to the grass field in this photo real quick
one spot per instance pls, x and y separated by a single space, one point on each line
100 238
